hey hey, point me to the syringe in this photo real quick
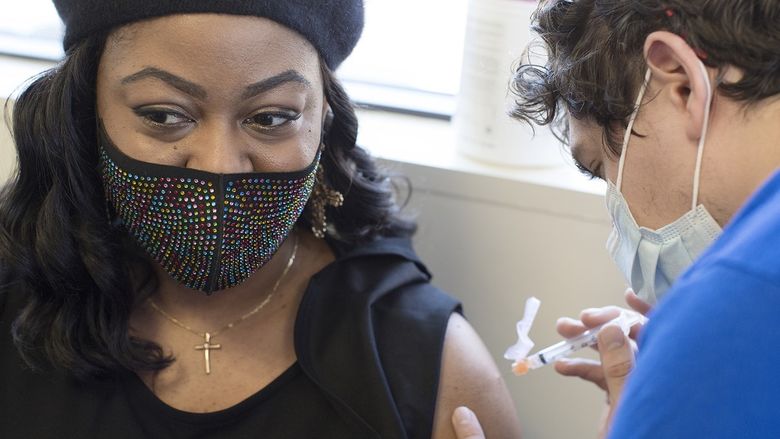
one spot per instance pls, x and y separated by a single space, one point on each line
625 321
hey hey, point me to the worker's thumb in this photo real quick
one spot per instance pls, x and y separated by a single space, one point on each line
617 360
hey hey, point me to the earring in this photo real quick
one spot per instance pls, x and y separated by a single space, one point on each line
322 196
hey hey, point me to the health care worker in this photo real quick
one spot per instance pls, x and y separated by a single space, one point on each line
675 104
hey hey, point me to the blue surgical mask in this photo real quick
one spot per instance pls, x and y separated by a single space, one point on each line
651 260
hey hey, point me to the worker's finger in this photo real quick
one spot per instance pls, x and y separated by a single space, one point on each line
593 317
588 370
568 327
636 303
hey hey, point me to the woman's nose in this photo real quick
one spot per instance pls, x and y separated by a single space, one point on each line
220 151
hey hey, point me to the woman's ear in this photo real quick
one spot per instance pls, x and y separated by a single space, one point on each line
678 71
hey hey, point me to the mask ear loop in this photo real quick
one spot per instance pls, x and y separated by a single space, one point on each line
703 137
630 127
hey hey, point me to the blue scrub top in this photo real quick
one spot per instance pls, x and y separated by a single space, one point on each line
709 363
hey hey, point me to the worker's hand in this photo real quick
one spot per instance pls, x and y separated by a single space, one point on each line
591 370
615 349
466 424
617 360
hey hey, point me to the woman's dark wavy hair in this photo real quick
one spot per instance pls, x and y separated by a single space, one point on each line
73 268
596 62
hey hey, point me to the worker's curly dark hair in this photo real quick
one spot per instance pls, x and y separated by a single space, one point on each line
596 64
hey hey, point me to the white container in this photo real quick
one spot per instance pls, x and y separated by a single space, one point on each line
497 34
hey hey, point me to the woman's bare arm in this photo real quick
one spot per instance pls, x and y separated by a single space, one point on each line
469 377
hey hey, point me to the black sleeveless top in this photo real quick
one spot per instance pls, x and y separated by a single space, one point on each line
368 336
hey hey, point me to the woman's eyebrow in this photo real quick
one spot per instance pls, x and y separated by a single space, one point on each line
199 92
273 82
182 84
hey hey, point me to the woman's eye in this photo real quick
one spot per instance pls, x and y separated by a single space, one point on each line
163 118
268 121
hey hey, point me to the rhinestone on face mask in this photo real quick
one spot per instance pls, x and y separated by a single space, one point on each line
208 231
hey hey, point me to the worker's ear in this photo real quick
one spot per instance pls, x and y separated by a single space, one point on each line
680 77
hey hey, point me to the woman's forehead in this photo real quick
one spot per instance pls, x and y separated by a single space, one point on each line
217 45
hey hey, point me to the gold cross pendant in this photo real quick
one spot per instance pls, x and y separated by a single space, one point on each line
206 347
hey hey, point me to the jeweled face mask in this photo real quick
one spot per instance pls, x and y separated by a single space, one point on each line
208 231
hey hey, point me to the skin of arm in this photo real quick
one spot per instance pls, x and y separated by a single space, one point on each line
470 377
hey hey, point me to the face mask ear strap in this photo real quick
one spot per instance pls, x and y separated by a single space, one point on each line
702 139
630 127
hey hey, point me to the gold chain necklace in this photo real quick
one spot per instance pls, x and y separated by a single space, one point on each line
207 346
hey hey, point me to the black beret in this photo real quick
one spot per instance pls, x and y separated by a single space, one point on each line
332 26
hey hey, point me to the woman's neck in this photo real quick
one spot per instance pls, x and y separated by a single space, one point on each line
208 313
